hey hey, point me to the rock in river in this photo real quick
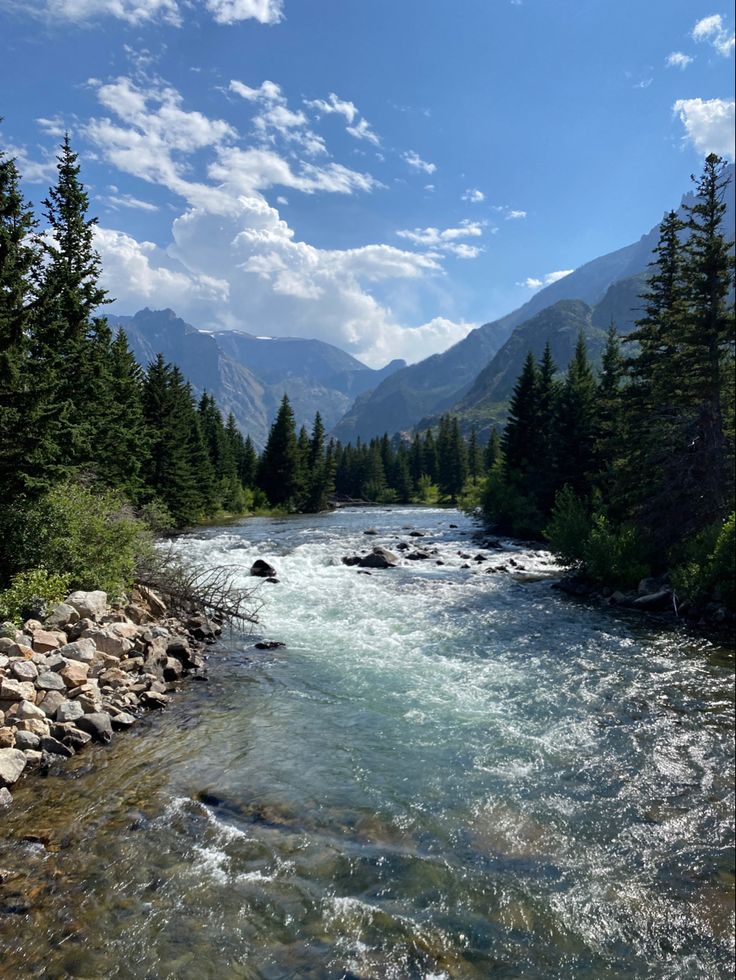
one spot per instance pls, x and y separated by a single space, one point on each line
261 569
379 558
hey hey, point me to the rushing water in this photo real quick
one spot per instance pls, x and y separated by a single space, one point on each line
447 773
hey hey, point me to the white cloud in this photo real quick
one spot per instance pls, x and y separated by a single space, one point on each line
679 60
276 119
473 195
116 201
416 162
434 238
709 124
34 171
53 127
137 12
516 215
463 251
232 11
531 282
333 104
712 30
363 131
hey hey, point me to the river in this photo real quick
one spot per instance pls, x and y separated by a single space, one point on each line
448 772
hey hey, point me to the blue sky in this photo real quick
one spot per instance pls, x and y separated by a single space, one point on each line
383 175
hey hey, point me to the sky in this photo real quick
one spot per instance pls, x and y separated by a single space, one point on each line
383 175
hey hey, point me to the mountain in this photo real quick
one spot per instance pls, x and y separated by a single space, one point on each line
609 286
248 375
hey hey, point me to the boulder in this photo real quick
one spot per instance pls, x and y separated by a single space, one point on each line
69 711
261 569
35 725
54 747
649 586
122 720
154 699
61 616
6 797
416 534
50 681
51 703
82 650
27 741
7 737
379 558
114 677
351 560
27 709
89 605
417 556
173 669
44 641
12 764
370 531
106 641
655 600
22 649
76 739
24 670
269 645
97 724
13 690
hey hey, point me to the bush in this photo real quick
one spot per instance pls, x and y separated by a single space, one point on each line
427 492
89 535
613 555
19 601
504 504
569 527
705 566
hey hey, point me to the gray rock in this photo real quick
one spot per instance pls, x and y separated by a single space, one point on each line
27 709
27 741
12 690
24 670
122 719
49 681
649 586
417 556
69 711
89 605
12 764
261 569
54 747
379 558
51 702
81 650
6 797
154 699
97 724
654 601
61 616
76 739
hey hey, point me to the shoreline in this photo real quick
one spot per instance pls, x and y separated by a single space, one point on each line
89 670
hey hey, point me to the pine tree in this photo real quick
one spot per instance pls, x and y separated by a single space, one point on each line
608 416
542 475
476 461
279 470
493 452
575 425
520 435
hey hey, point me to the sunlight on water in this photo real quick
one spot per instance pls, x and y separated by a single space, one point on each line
449 772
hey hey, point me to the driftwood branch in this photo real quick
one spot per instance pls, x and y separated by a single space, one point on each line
188 588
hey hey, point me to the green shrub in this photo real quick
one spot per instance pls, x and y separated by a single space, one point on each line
427 492
613 555
471 499
88 534
504 504
569 527
17 602
705 565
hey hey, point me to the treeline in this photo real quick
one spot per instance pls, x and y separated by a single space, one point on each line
633 471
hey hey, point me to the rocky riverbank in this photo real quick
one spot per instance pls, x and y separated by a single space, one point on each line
86 670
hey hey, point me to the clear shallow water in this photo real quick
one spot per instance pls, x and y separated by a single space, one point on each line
446 774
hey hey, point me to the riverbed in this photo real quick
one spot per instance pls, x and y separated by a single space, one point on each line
449 771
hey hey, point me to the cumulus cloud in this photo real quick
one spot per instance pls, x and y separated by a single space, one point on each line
474 196
678 60
709 124
712 30
33 170
363 131
436 238
138 12
532 282
416 162
334 105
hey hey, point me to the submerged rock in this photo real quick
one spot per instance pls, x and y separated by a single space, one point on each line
261 569
379 558
269 645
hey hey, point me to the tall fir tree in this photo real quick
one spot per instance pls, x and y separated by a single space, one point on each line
279 471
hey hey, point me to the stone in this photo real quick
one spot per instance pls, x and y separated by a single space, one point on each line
269 645
54 747
44 641
91 703
7 738
69 711
12 764
27 741
34 757
89 605
82 650
379 558
61 616
154 699
106 641
13 690
173 669
181 650
6 798
21 649
114 677
76 739
97 724
35 725
654 601
24 670
49 681
261 569
649 586
74 674
26 709
416 534
55 662
138 614
351 560
122 720
417 556
370 531
51 702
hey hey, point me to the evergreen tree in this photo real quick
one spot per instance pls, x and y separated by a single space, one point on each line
575 424
279 470
476 461
493 452
520 435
